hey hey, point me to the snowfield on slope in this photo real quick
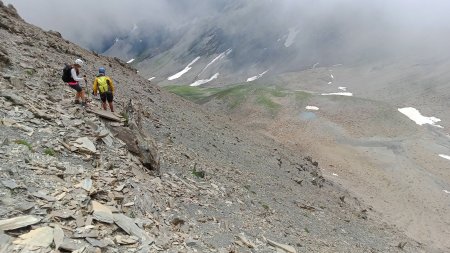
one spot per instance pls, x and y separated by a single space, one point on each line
184 71
253 78
219 57
445 156
291 37
416 116
130 61
203 81
312 108
348 94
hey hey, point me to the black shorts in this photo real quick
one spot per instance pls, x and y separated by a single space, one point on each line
106 96
76 87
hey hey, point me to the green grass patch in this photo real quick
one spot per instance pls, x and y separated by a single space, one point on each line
265 206
278 92
267 103
25 143
125 118
50 152
301 96
195 94
30 72
198 173
234 96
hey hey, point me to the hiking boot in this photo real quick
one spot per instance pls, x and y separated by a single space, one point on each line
83 104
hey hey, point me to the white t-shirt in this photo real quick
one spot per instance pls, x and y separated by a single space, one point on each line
75 77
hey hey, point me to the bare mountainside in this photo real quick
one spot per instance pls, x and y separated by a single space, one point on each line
71 181
380 132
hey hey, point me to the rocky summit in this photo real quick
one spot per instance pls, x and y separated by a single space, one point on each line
161 175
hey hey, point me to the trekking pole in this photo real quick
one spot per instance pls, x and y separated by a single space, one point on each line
86 89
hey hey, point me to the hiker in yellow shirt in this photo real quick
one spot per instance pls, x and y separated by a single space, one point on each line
104 85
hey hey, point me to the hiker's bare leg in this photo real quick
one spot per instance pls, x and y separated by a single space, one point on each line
111 106
77 96
104 105
83 97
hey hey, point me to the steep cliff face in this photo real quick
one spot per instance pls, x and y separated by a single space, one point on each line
69 183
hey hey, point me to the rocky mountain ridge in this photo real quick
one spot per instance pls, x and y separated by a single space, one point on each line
70 182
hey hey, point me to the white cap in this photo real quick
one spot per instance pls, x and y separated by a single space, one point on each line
79 62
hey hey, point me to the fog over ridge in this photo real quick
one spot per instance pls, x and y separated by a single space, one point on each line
400 24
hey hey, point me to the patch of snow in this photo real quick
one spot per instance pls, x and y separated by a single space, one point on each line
315 65
253 78
313 108
116 40
330 82
445 156
130 61
343 88
448 192
331 75
348 94
415 116
334 174
151 78
291 37
184 71
200 82
219 57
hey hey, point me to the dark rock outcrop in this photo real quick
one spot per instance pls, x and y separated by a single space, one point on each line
138 141
4 59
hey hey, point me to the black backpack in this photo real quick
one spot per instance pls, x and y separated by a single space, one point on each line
67 75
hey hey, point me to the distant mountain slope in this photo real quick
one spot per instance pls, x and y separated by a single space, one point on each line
274 37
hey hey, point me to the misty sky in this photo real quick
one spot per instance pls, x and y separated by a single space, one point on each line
88 22
84 21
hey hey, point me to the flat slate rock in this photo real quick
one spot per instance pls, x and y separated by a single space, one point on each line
72 244
128 225
283 247
58 235
39 237
102 213
104 114
44 196
63 214
18 222
25 206
11 184
85 144
4 239
97 243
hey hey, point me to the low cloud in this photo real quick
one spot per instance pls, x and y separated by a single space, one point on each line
396 23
